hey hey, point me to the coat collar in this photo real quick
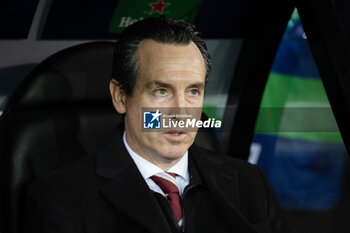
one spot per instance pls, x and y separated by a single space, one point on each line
223 183
127 191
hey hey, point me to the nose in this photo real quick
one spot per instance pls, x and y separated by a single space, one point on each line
179 101
179 104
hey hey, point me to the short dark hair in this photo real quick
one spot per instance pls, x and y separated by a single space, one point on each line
160 29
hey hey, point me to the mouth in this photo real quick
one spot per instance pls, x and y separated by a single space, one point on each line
175 135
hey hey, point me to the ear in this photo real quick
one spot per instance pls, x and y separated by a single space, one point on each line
118 96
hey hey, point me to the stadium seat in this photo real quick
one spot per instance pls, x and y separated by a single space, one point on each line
61 112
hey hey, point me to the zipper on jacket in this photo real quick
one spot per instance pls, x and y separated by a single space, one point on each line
174 217
182 229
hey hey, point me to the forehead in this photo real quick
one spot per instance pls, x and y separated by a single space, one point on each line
154 56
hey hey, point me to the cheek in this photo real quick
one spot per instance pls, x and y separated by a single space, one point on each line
191 137
133 120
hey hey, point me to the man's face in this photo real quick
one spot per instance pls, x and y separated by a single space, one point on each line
169 76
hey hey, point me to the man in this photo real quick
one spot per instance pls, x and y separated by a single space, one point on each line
154 182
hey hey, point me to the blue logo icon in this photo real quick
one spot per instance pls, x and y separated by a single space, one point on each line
151 120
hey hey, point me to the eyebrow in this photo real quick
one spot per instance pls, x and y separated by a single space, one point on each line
199 85
160 83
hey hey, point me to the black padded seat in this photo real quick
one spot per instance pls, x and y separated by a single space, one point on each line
61 112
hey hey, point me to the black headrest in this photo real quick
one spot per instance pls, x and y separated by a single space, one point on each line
76 75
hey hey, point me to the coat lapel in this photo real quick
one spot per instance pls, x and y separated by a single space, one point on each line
223 183
127 191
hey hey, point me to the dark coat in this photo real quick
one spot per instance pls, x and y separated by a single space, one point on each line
105 193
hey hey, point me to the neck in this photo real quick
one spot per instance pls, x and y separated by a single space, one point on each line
160 161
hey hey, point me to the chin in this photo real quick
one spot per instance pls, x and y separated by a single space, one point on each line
174 154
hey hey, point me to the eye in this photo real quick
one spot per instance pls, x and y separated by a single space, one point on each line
161 92
194 92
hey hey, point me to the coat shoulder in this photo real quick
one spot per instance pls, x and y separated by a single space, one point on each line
251 179
242 167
